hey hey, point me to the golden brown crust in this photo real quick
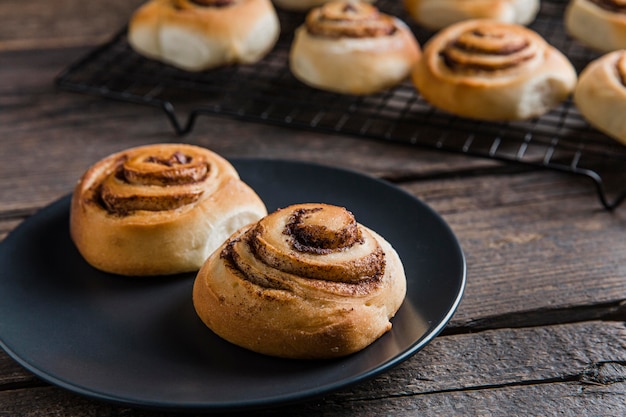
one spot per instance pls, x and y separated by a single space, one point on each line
599 24
158 209
196 35
305 282
304 5
494 71
352 48
600 94
438 14
354 20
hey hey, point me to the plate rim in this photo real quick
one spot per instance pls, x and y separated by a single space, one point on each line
274 400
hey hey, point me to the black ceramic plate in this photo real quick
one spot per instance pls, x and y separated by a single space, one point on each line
138 341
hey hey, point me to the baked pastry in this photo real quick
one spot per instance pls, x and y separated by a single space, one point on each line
197 35
305 282
304 5
352 48
438 14
599 24
600 94
158 209
491 70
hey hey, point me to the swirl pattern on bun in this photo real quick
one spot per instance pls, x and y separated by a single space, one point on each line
490 70
600 94
197 35
158 209
306 281
599 24
352 48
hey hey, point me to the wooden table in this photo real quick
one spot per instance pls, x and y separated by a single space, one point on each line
541 328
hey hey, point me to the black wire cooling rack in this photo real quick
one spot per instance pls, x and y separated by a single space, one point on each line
267 92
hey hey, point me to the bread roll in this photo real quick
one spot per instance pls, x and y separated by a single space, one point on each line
304 5
352 48
600 94
437 14
490 70
599 24
158 209
305 282
197 35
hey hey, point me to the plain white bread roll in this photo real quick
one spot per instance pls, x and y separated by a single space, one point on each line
600 25
352 48
600 94
437 14
196 35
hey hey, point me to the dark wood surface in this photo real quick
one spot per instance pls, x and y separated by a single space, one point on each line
540 331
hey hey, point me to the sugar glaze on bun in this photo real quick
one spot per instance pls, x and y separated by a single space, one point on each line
490 70
305 282
599 24
600 94
352 48
158 209
438 14
197 35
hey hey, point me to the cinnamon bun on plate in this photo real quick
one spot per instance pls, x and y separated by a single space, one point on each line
158 209
307 281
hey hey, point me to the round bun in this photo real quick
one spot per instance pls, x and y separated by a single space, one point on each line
158 209
438 14
196 35
304 5
351 48
305 282
600 25
490 70
600 94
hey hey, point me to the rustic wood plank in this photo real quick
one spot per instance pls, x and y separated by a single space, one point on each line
36 24
541 370
536 242
555 398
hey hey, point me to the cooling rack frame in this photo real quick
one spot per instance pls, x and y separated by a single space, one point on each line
266 92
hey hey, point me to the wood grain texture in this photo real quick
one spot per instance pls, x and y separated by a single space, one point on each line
37 24
541 370
540 331
536 243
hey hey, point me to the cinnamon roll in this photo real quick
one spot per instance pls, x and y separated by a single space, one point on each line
599 24
158 209
437 14
600 94
197 35
491 70
352 48
305 282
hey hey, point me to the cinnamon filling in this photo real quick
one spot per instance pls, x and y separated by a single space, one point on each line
153 183
313 231
187 4
616 6
349 19
255 259
486 51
